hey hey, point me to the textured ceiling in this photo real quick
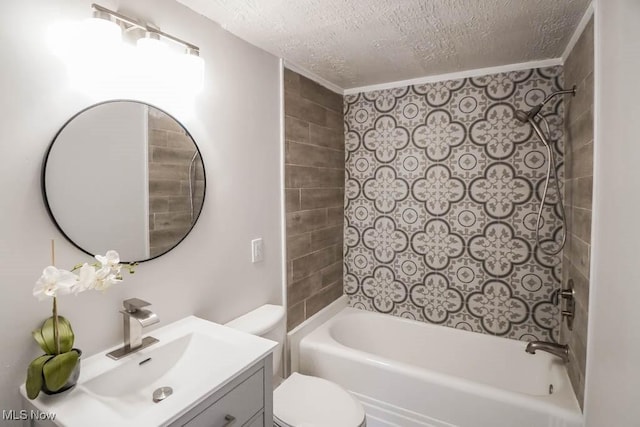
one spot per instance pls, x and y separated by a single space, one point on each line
353 43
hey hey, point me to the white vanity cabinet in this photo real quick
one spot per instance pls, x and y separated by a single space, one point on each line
219 377
245 401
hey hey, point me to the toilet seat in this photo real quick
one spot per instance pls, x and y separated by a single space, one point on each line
305 401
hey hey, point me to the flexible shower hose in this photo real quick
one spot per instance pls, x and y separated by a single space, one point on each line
551 163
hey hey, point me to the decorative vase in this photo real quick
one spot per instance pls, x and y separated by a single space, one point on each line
71 382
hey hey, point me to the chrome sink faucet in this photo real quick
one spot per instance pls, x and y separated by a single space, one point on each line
559 350
135 318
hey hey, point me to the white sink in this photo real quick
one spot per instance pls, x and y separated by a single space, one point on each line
194 357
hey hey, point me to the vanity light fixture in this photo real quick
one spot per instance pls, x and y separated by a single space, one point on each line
186 68
103 28
128 24
151 41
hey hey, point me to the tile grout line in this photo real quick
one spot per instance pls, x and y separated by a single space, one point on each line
310 144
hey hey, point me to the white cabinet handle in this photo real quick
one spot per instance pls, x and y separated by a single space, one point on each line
230 419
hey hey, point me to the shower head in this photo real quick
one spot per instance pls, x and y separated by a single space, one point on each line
524 117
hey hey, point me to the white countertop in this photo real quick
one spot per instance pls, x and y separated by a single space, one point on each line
224 352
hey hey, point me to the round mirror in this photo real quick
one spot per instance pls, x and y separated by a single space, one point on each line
124 175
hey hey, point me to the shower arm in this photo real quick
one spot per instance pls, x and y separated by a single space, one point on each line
534 111
560 92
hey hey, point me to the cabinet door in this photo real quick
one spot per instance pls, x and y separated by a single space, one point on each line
235 408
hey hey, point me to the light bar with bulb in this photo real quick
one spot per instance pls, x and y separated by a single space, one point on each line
186 69
100 12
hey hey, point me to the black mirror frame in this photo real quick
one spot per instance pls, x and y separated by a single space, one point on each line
43 187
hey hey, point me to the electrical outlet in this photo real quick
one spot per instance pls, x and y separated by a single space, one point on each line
256 250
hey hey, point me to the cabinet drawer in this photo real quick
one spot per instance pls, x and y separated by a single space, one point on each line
257 421
241 403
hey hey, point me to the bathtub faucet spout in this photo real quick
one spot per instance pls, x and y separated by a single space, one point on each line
560 350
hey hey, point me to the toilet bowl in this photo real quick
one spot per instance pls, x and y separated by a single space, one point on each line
300 400
303 400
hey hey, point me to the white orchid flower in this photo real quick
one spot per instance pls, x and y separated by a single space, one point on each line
107 282
105 278
54 283
111 260
87 278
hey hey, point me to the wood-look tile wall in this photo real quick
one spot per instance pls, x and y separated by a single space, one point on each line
170 154
578 70
314 194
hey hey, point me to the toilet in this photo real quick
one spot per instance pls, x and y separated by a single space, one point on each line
300 400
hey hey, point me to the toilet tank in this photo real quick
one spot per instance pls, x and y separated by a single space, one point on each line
267 321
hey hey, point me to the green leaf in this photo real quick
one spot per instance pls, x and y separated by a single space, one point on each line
37 335
58 370
65 335
47 334
34 376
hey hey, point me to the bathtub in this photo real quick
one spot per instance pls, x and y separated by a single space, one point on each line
409 373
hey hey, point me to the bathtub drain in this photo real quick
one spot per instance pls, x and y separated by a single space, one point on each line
550 388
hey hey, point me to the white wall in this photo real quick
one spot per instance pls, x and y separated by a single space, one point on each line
236 124
613 354
104 148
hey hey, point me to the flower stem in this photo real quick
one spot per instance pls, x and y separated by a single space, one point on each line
56 335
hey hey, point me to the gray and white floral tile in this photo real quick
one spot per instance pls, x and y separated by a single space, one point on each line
436 298
442 189
409 267
497 308
408 310
466 275
467 218
469 161
360 301
360 212
411 216
465 321
532 282
384 290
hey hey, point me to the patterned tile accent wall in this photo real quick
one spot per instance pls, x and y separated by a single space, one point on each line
578 70
442 190
314 195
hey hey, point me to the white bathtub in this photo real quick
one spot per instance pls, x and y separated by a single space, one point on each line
409 373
